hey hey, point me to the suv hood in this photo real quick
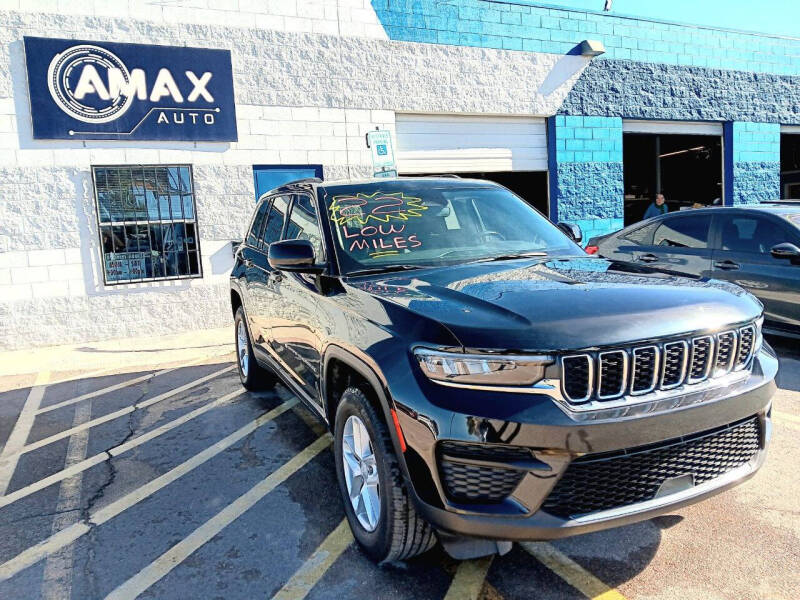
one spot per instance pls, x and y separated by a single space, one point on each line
561 304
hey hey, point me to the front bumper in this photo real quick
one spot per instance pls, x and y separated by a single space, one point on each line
556 438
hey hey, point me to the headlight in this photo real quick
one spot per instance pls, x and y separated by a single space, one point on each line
482 369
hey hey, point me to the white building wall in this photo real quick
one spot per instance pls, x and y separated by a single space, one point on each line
310 79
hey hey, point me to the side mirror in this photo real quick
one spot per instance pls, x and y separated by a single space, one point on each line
785 250
293 255
573 231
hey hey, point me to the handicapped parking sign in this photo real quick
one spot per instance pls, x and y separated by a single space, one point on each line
380 144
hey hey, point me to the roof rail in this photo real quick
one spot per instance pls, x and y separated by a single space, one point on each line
447 175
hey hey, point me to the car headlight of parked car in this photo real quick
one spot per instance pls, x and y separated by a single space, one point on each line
482 369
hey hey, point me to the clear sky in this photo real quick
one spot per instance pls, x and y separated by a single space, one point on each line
768 16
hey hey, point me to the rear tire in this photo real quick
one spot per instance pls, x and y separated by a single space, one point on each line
395 531
252 375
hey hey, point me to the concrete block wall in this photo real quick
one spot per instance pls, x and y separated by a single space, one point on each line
585 165
752 162
522 26
303 96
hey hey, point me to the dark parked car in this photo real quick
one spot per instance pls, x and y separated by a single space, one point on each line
756 247
485 380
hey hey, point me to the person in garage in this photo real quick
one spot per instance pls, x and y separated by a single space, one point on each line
657 208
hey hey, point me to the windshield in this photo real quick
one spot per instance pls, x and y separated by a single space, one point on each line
415 223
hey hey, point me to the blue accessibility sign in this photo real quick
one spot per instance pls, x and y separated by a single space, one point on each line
85 90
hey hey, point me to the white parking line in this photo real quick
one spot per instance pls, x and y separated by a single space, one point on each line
105 390
57 576
187 546
22 429
103 456
116 414
35 553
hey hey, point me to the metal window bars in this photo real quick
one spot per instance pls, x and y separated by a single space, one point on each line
147 222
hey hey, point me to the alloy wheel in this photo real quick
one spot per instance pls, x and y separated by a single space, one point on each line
241 347
361 473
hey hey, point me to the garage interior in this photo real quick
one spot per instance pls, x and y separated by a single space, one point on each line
790 166
531 186
687 169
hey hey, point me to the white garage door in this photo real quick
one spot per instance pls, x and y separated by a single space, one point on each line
465 144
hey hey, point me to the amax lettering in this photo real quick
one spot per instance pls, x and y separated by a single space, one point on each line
135 85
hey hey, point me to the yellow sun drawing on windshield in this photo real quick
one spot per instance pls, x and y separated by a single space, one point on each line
360 209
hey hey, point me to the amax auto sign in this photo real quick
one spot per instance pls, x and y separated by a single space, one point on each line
83 90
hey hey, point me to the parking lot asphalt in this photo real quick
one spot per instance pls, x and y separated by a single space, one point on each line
176 483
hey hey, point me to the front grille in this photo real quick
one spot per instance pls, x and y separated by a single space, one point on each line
604 481
674 364
726 351
747 337
465 482
702 355
645 369
609 374
612 374
577 377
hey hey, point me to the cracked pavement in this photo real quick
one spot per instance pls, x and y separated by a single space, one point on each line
740 544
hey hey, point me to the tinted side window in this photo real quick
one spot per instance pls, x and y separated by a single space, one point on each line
303 224
277 213
642 236
258 222
683 232
751 234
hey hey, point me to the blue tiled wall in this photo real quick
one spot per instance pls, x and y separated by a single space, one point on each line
585 165
651 70
752 162
518 26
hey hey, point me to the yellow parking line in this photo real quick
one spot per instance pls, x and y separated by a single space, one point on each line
173 557
571 572
317 564
469 578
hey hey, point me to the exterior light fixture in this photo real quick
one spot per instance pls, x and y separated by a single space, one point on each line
592 48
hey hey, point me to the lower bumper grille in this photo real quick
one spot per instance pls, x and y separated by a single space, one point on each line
467 482
603 481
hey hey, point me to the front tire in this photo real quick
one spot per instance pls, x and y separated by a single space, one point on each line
252 375
381 514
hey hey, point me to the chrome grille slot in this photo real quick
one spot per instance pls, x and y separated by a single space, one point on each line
702 355
645 369
578 372
673 369
726 352
611 377
612 374
747 338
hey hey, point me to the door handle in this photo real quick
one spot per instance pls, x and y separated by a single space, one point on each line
247 262
726 265
648 258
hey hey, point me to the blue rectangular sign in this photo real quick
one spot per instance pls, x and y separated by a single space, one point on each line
81 90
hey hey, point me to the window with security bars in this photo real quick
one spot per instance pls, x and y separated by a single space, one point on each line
147 220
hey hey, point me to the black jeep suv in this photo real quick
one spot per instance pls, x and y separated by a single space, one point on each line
483 377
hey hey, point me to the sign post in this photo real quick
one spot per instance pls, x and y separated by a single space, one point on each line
383 163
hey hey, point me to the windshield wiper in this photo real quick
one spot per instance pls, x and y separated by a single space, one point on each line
512 256
386 269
